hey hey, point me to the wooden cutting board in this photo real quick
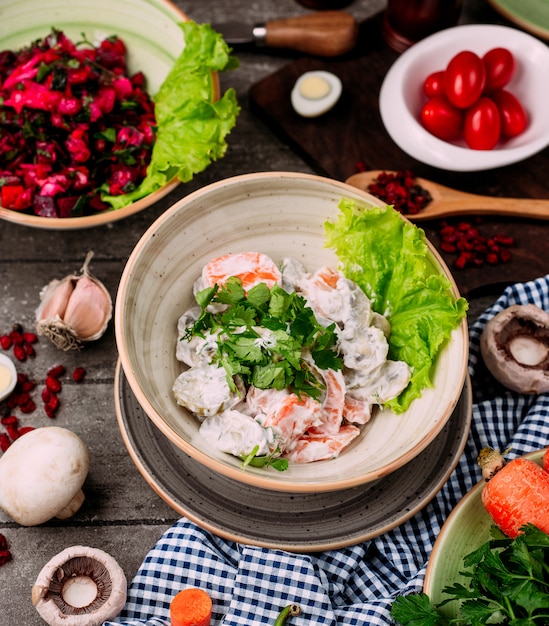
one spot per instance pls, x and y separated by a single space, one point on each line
352 133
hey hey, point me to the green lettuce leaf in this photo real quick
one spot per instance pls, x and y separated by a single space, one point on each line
390 259
192 127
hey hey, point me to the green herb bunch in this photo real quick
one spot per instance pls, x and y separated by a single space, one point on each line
266 336
508 584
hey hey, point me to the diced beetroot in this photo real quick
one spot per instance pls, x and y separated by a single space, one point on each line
88 126
66 206
69 106
10 195
54 185
130 136
123 87
44 206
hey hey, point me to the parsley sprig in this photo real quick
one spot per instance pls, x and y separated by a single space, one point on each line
508 584
263 336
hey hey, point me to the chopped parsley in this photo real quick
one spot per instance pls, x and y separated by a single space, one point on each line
508 583
266 336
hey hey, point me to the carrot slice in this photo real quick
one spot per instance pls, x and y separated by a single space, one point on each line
191 607
516 493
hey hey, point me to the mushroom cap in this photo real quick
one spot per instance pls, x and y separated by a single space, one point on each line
64 567
515 347
41 474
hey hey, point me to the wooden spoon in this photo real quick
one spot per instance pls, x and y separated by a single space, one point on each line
447 202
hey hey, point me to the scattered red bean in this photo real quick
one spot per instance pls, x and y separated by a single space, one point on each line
30 337
21 397
400 190
78 374
472 247
5 442
56 371
19 352
53 384
5 554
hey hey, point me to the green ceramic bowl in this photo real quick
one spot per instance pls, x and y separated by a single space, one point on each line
531 15
153 38
465 530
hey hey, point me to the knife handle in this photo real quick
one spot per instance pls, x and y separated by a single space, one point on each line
326 33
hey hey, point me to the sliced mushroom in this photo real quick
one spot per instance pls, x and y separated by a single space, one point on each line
80 586
515 347
41 475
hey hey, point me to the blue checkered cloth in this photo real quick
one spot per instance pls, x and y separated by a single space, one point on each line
353 585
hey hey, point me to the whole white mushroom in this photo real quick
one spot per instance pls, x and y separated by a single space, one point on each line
41 476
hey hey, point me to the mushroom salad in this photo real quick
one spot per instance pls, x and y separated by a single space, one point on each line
284 365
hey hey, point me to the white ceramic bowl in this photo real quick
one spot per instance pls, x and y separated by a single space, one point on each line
9 376
280 214
150 30
401 96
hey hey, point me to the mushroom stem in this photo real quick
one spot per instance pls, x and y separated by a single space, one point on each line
70 509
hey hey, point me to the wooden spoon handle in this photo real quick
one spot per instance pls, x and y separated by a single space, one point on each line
448 202
486 205
326 33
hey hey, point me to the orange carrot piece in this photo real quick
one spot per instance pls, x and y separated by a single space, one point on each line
517 494
191 607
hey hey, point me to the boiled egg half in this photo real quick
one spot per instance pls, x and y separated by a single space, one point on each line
315 93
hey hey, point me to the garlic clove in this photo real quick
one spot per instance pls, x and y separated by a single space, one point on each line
89 309
74 310
54 298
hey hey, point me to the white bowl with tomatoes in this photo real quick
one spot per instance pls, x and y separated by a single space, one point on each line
469 98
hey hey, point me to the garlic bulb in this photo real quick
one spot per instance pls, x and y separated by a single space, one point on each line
74 310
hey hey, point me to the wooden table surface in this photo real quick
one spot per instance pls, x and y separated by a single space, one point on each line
122 514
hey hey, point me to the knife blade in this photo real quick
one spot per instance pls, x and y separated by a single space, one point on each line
325 33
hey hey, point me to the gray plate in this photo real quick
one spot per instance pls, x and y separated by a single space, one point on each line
306 522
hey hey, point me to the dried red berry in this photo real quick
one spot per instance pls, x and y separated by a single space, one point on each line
5 342
78 374
46 395
28 407
21 378
13 431
56 371
5 556
19 352
9 419
17 337
30 338
49 412
25 429
400 190
53 402
23 398
3 542
29 349
5 442
28 385
53 384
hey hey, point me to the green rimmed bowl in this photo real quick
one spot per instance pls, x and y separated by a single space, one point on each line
149 28
465 530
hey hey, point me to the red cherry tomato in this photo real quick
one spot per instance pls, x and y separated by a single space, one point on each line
482 125
513 116
442 119
464 79
499 64
433 85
